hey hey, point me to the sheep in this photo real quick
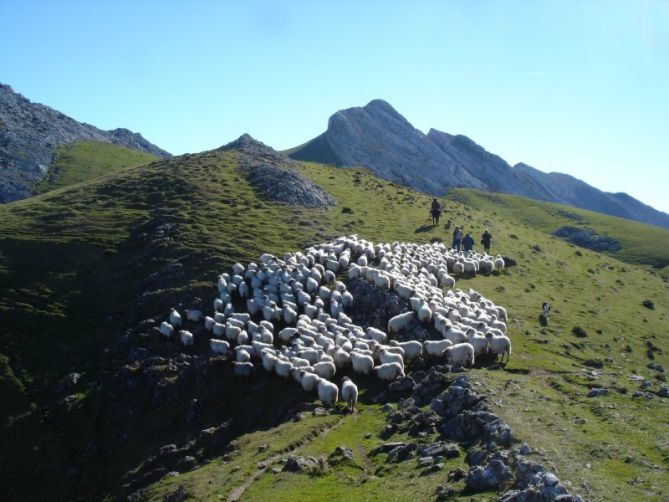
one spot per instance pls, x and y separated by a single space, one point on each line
386 357
194 315
389 371
232 332
435 348
362 363
376 334
219 346
412 348
166 329
242 355
243 317
325 369
349 393
268 361
243 370
460 354
327 392
499 344
218 329
282 368
478 341
424 313
455 336
186 337
175 318
209 323
287 334
400 322
309 381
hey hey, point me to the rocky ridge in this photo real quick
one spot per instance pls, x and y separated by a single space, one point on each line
30 133
274 177
377 137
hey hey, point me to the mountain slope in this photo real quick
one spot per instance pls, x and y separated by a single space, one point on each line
30 134
379 138
84 268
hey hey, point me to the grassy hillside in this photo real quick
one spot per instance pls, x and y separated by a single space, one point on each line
87 160
82 266
641 243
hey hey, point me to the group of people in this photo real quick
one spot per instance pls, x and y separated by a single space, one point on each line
461 241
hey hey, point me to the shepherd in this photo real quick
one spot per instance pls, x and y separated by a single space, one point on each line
485 240
435 211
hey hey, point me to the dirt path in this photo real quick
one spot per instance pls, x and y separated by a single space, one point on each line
263 465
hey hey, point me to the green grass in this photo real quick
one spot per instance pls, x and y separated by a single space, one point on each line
87 160
80 265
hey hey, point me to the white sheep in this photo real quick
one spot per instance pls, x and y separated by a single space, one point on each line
243 370
309 381
219 346
186 337
435 348
349 393
461 354
209 323
385 357
499 344
282 368
194 315
362 363
327 392
376 334
400 322
166 329
325 369
412 348
389 371
175 318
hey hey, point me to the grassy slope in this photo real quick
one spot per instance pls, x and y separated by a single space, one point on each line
86 160
641 243
60 253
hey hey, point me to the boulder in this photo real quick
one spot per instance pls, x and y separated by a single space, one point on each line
491 477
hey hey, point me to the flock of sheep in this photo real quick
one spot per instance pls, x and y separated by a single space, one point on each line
301 294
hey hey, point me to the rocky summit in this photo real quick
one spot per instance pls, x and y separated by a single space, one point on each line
379 138
30 133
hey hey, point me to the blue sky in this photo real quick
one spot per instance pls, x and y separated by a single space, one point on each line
580 87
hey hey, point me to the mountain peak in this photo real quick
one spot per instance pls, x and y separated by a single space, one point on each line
30 134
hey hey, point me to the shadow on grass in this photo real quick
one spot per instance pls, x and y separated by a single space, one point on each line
424 228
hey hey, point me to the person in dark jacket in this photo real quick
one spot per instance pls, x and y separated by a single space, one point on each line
457 239
435 211
485 240
468 242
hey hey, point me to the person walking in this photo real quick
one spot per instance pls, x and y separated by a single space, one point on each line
468 243
485 240
457 239
435 211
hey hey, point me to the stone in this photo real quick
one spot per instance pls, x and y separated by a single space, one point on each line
187 463
491 477
403 385
439 449
597 392
453 400
308 464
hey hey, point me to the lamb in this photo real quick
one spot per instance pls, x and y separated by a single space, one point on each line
194 315
389 371
327 392
400 322
499 344
186 337
175 318
460 354
219 346
362 363
166 329
243 370
435 348
349 393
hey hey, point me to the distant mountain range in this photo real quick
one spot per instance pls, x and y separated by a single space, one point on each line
30 133
377 137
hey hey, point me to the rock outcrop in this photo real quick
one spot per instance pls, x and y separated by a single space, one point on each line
274 176
30 133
